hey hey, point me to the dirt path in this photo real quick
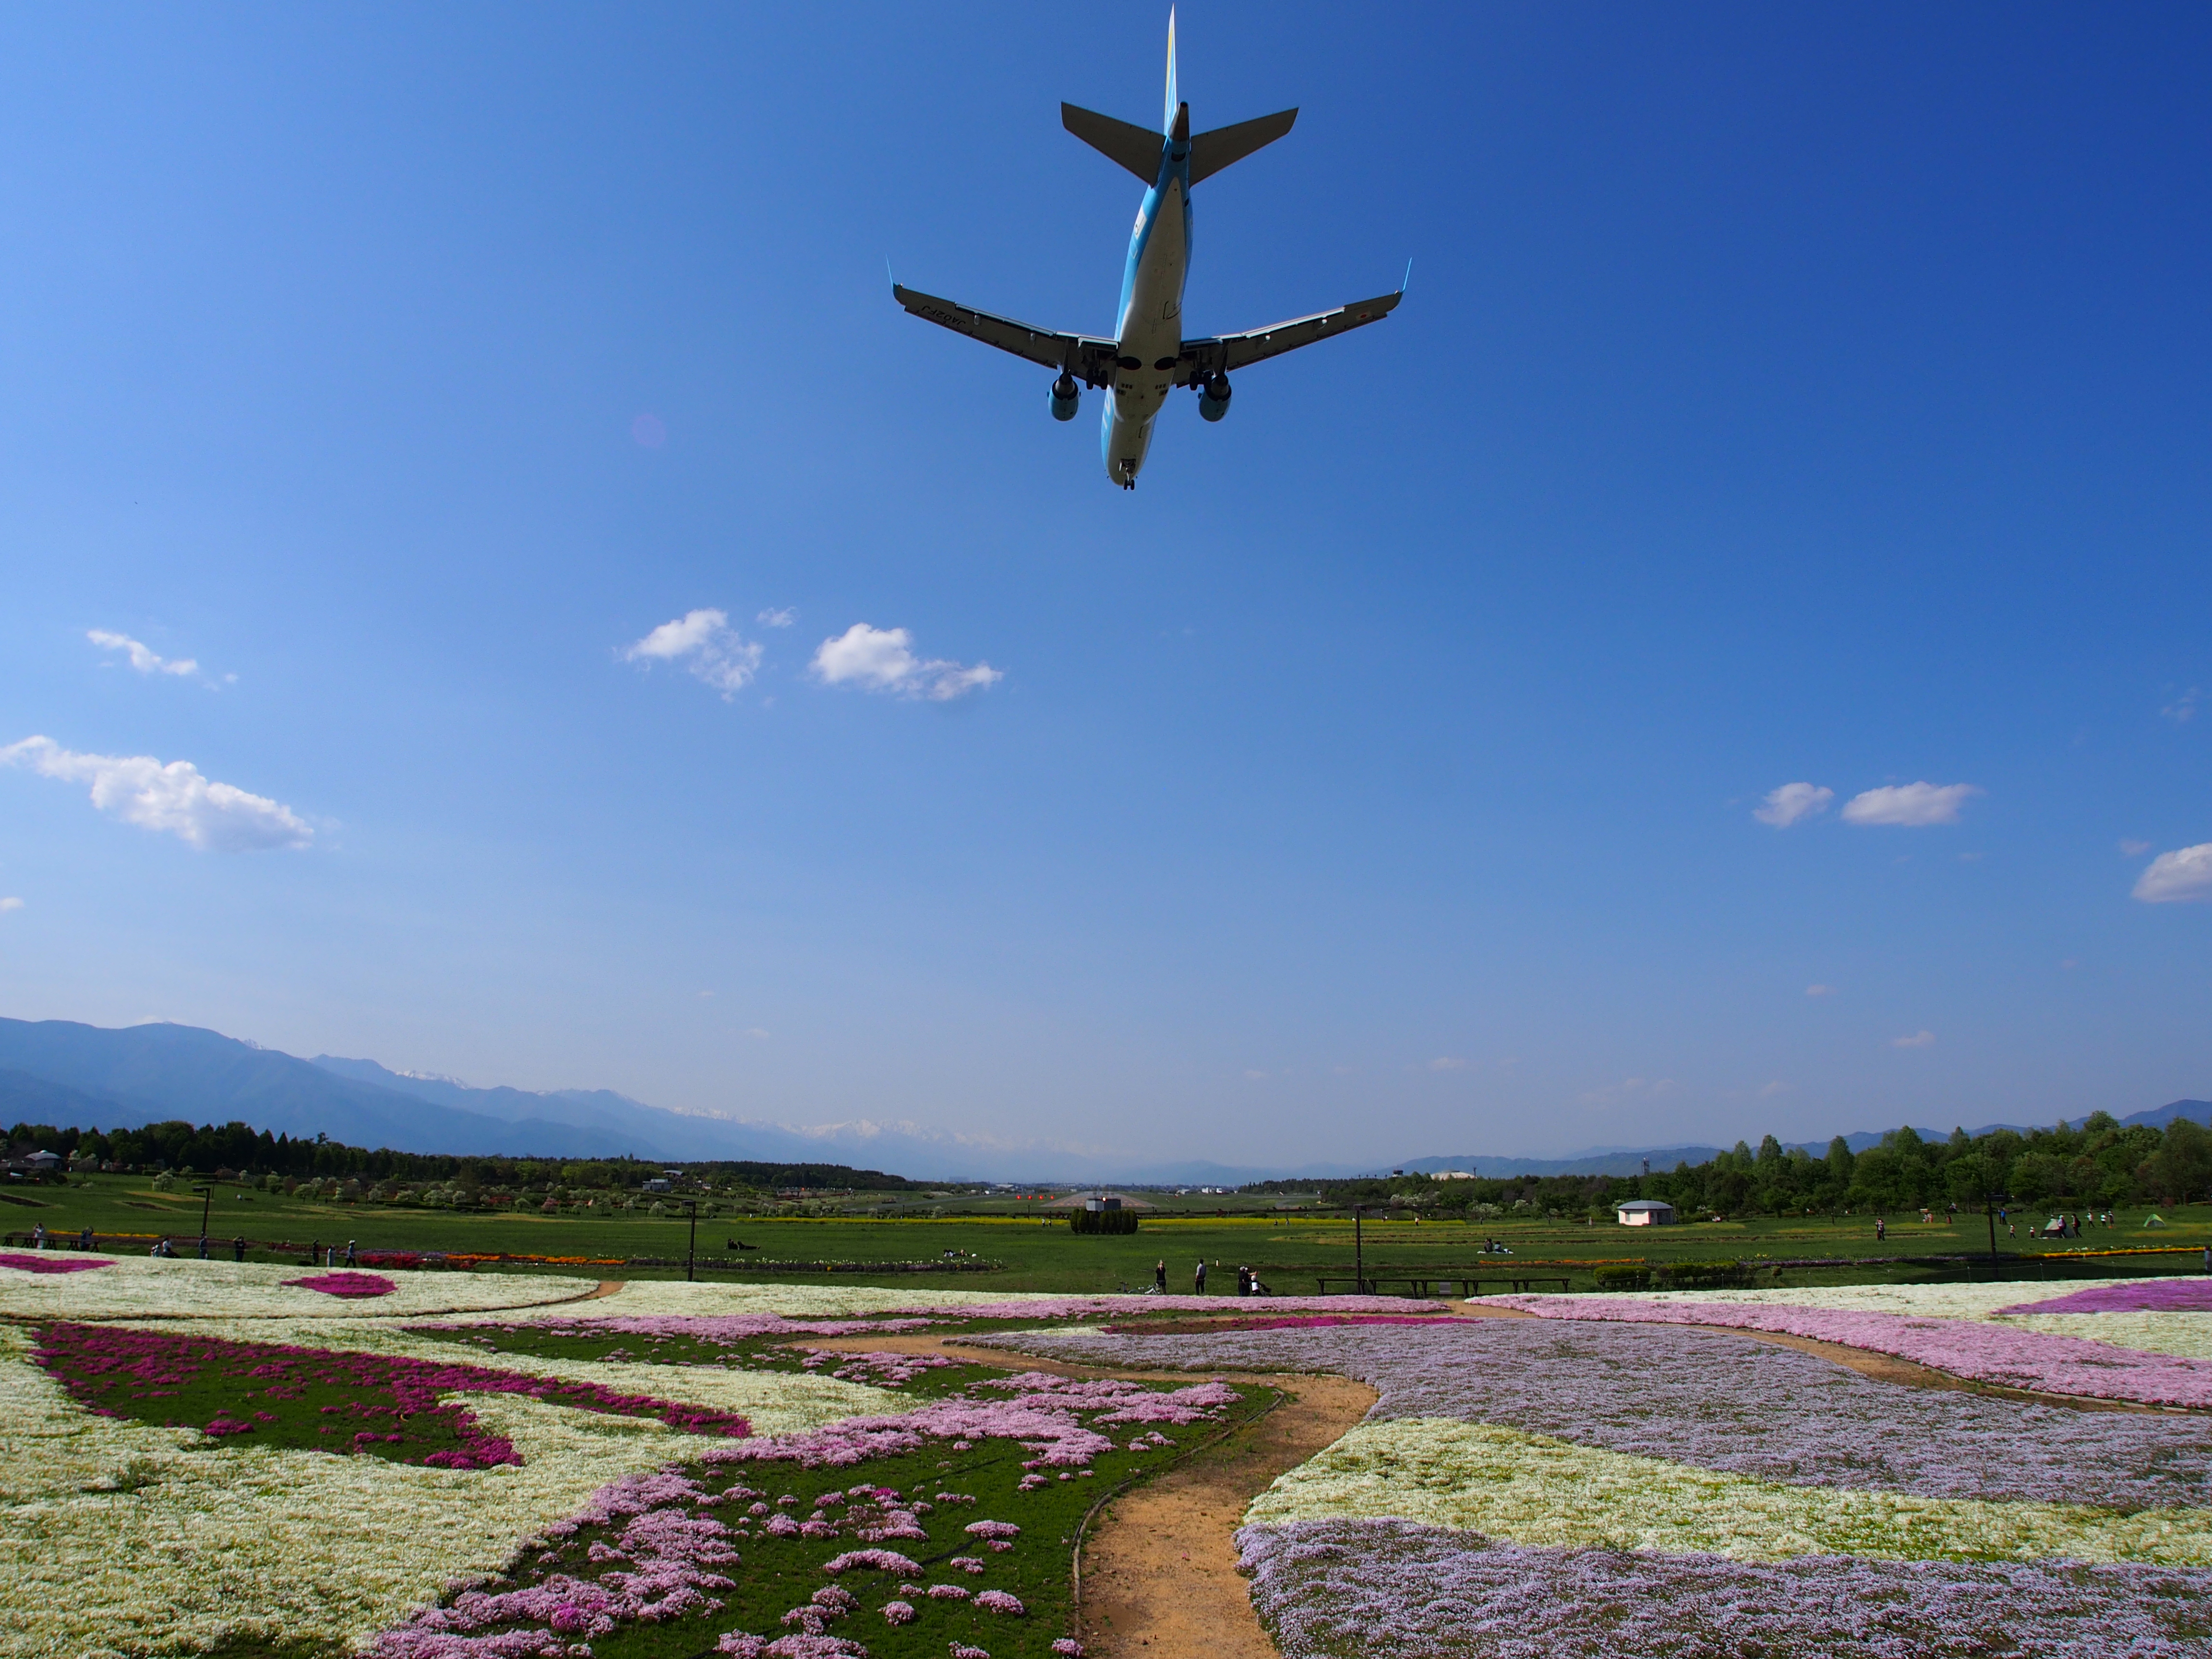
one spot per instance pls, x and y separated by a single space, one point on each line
1156 1571
1159 1565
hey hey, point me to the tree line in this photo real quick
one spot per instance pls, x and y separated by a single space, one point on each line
2095 1164
179 1147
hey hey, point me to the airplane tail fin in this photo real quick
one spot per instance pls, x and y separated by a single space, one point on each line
1168 120
1210 152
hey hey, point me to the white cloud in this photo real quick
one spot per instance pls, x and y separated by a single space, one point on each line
1791 802
2179 877
10 904
1912 805
1773 1088
1447 1063
173 797
778 619
1917 1040
2134 849
145 658
707 646
2182 707
883 660
1819 990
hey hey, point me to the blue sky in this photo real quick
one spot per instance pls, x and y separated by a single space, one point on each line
1817 398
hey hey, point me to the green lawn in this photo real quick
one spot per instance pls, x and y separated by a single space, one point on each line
1291 1248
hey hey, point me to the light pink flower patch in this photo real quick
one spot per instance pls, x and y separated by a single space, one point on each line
998 1601
873 1561
2002 1354
898 1612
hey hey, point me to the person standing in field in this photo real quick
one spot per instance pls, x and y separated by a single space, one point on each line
1201 1276
1881 1229
1160 1275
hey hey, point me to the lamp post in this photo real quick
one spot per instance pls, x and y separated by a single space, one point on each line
1989 1210
691 1255
1358 1257
207 1200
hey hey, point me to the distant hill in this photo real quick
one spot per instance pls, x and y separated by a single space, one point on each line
59 1072
144 1074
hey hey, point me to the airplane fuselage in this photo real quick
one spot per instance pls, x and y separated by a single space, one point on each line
1150 330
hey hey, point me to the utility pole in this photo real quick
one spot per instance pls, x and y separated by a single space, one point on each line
691 1255
1358 1257
207 1201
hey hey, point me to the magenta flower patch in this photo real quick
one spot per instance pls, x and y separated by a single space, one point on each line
52 1264
318 1398
346 1284
2126 1295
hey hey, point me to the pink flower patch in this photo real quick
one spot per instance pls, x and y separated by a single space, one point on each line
52 1264
999 1602
2129 1295
348 1284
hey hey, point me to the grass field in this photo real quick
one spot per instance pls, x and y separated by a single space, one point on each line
1032 1254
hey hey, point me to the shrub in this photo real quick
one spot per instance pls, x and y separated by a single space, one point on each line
1104 1221
1624 1278
1704 1275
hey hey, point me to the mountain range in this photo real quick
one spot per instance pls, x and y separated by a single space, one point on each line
59 1072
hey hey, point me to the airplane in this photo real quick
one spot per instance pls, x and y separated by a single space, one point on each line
1149 354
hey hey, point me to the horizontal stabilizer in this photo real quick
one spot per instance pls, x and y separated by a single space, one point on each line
1210 152
1132 146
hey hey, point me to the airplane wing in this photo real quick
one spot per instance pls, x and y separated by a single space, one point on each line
1088 360
1229 352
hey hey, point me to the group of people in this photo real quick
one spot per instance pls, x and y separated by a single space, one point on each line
1248 1279
44 1238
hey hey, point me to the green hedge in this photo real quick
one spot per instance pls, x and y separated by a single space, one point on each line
1676 1276
1104 1221
1704 1275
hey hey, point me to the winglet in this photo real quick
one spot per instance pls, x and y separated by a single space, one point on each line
1407 281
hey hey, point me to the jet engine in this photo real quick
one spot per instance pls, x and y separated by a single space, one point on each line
1066 397
1213 396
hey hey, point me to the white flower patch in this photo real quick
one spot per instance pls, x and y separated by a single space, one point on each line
2185 1335
645 1298
1536 1491
121 1538
148 1287
1914 1301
